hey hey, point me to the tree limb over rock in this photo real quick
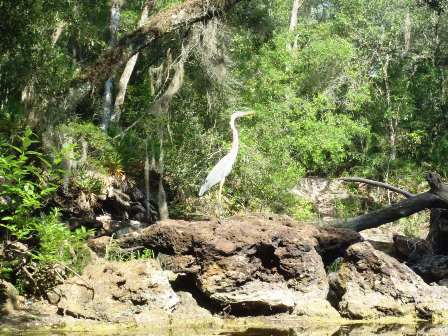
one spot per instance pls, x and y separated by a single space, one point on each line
165 22
405 193
436 197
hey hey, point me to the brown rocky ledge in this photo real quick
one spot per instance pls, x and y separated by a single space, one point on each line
248 266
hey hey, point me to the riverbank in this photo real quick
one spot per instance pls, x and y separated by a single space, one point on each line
246 272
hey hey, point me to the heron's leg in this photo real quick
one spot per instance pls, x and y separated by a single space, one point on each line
220 208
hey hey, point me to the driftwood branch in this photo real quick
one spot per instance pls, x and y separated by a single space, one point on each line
390 187
436 197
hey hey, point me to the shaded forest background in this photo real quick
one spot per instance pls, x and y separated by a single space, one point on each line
339 87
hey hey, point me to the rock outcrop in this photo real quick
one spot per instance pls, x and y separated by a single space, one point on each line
432 268
9 298
116 208
116 292
246 267
371 284
249 266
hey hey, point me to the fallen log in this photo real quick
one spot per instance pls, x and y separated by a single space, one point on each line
436 197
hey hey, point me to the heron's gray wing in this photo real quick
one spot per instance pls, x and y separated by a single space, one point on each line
218 173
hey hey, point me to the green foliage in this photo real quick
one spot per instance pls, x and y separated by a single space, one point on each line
90 141
320 107
335 266
439 152
57 244
297 105
163 4
25 185
414 226
303 210
86 182
115 253
349 207
28 181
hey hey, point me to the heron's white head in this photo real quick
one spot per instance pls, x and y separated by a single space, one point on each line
239 114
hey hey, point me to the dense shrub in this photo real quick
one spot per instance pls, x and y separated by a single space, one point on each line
28 181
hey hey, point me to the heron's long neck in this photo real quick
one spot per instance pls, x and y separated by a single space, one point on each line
235 140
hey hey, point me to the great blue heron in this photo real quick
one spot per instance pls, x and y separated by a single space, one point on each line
223 168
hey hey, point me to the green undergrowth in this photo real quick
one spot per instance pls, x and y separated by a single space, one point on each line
48 249
115 253
90 146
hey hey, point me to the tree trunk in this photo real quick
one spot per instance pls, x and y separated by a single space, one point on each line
68 162
437 237
407 28
161 195
161 105
108 87
107 104
147 190
294 20
437 197
128 69
436 40
295 14
405 193
28 97
393 122
160 109
57 32
438 231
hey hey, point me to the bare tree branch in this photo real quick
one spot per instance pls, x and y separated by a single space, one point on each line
403 192
436 197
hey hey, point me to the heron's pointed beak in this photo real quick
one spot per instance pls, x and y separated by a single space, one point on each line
249 113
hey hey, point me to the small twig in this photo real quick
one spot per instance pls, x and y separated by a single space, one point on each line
28 274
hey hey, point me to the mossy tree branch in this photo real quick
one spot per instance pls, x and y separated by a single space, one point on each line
178 17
